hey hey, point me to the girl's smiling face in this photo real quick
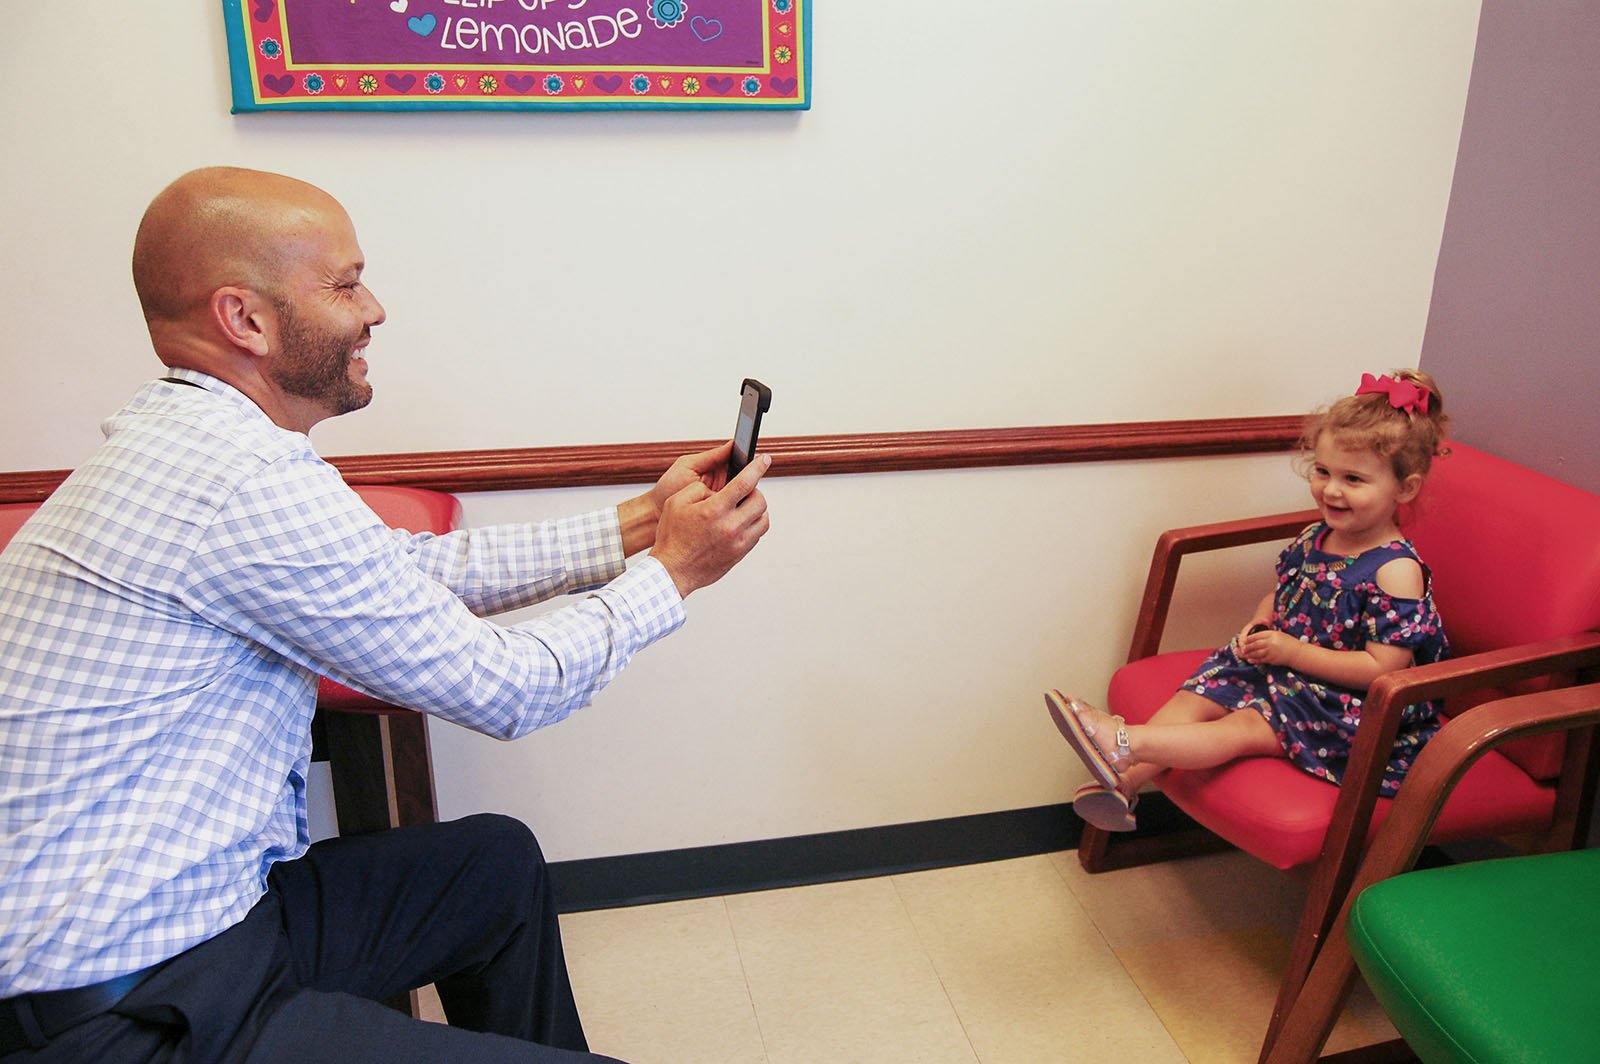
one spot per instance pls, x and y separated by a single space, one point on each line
1358 494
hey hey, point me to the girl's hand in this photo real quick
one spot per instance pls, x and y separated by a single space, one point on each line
1260 645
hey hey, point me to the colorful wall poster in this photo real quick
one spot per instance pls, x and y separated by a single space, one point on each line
518 54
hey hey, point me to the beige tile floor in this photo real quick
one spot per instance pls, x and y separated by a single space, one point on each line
1028 961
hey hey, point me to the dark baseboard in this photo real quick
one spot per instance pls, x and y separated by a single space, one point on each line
765 864
736 868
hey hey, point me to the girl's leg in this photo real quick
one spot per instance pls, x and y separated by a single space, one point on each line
1203 743
1188 732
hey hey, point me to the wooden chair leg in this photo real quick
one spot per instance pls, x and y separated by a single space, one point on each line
382 770
359 766
411 769
1105 851
1092 845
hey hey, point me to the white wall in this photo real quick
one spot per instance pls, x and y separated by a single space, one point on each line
1066 212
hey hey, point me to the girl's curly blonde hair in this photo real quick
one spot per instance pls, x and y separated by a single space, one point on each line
1409 439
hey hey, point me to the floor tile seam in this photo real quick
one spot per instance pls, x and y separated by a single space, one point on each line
744 973
933 965
1151 1005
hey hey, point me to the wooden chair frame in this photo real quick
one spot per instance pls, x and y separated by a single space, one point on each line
1345 842
1396 845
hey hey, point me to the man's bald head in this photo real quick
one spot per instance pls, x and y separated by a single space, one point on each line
221 226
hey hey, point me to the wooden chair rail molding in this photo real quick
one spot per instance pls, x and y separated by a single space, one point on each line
641 463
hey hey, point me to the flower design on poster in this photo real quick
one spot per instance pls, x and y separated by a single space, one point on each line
667 13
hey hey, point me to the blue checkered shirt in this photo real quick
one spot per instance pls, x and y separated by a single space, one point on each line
163 621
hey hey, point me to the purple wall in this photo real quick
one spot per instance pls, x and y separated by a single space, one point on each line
1514 327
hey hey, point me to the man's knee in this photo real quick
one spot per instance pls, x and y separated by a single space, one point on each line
504 846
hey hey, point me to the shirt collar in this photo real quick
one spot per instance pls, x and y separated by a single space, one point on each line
215 385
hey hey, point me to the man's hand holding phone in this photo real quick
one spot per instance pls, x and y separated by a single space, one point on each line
705 513
704 533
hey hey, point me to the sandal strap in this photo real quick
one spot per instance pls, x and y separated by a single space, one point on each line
1122 752
1118 753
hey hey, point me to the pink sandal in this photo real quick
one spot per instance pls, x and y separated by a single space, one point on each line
1080 736
1107 808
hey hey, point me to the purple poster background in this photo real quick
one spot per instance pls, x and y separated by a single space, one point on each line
546 33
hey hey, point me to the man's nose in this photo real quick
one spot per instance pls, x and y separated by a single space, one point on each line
375 312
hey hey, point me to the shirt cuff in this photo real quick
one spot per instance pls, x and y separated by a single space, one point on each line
649 598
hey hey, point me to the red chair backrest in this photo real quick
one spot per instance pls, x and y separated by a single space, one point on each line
413 509
1515 554
1515 558
12 514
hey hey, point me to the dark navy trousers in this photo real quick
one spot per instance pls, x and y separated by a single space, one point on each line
465 906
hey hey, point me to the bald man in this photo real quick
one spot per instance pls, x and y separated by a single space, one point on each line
167 613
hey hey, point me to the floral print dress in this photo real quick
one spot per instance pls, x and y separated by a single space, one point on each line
1333 601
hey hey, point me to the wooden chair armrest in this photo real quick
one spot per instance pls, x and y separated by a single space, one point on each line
1448 755
1390 695
1175 543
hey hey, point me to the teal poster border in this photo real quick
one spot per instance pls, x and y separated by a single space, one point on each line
266 76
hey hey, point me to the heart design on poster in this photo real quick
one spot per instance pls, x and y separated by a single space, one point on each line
401 83
399 6
422 25
338 79
720 85
784 86
577 83
264 9
707 29
279 83
608 82
520 82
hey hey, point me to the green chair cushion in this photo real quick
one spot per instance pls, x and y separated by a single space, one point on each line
1493 961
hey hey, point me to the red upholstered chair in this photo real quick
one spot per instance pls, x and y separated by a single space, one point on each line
378 753
1516 576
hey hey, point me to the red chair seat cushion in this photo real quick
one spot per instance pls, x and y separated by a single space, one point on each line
1273 810
334 695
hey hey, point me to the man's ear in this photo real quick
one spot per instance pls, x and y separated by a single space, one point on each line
243 317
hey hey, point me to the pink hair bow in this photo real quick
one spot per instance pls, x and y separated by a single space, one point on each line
1403 395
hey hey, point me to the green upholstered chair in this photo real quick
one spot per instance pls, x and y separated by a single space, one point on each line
1487 962
1490 961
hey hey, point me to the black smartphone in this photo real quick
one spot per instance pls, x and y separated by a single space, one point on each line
754 400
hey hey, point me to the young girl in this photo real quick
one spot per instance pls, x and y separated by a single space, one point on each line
1352 603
